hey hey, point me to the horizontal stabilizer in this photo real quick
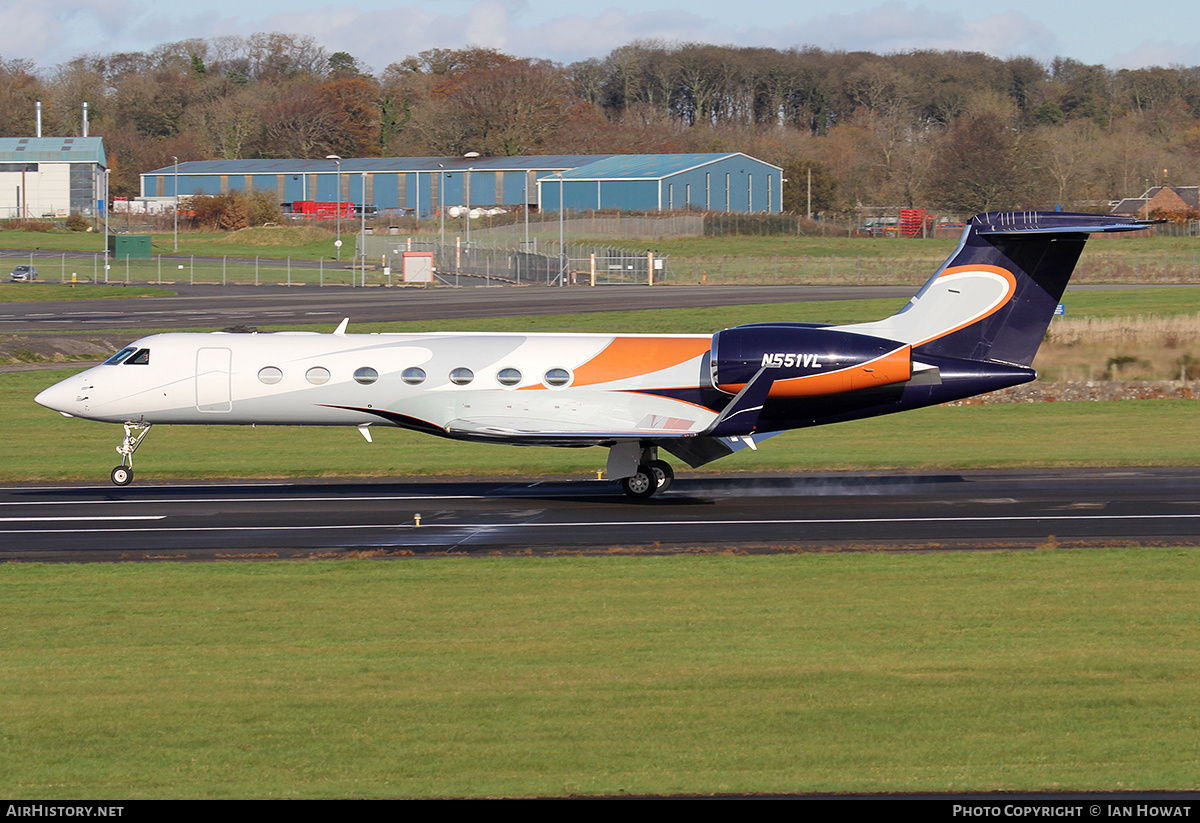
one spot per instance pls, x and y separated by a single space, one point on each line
1053 222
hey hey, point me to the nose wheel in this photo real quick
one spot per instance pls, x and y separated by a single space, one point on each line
122 476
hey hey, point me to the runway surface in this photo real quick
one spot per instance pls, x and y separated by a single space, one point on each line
217 307
927 511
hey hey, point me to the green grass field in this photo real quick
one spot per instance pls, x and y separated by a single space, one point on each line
312 243
36 292
304 243
1045 670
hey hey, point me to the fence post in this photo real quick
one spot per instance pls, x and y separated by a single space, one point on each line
289 268
192 269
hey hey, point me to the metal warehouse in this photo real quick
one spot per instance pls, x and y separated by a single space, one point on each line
422 185
51 176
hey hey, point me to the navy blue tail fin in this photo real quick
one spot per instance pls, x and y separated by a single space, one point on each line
995 296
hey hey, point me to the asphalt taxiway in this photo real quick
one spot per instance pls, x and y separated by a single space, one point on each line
902 511
217 307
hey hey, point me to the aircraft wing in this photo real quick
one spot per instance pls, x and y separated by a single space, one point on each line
692 447
529 432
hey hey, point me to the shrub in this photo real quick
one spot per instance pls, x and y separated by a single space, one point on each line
77 222
26 224
234 210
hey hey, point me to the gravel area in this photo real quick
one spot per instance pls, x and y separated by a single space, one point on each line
1041 392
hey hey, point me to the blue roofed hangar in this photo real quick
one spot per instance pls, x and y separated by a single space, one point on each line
732 182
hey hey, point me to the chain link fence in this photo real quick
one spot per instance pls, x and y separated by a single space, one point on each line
483 260
70 267
580 265
463 263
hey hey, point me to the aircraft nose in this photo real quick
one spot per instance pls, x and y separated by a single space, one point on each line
60 397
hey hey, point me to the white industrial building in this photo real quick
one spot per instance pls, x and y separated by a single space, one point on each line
51 177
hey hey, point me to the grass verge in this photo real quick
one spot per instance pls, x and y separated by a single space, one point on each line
37 292
1048 670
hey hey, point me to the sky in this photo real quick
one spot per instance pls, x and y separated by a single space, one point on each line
1115 34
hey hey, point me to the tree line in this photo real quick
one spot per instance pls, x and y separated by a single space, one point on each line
957 131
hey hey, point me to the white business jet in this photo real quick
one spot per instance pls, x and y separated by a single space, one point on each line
974 327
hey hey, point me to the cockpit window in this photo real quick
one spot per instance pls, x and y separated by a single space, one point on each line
119 356
142 358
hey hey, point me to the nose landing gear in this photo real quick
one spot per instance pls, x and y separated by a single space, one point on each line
122 475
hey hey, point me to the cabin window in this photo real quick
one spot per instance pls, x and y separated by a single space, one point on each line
270 375
317 375
508 377
557 377
141 358
119 356
366 375
413 375
461 376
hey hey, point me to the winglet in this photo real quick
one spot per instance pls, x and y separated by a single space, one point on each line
740 416
341 329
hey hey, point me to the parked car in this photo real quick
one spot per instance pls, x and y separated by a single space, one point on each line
22 274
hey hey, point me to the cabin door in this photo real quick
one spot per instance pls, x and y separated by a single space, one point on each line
212 380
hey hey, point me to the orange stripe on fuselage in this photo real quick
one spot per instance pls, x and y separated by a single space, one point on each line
893 367
627 357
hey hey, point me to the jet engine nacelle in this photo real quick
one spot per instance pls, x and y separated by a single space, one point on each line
806 361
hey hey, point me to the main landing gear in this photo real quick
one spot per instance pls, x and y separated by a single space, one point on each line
122 475
650 477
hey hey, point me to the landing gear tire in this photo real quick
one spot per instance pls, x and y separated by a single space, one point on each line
663 473
122 476
641 484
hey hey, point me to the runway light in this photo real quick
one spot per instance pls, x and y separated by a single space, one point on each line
417 519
